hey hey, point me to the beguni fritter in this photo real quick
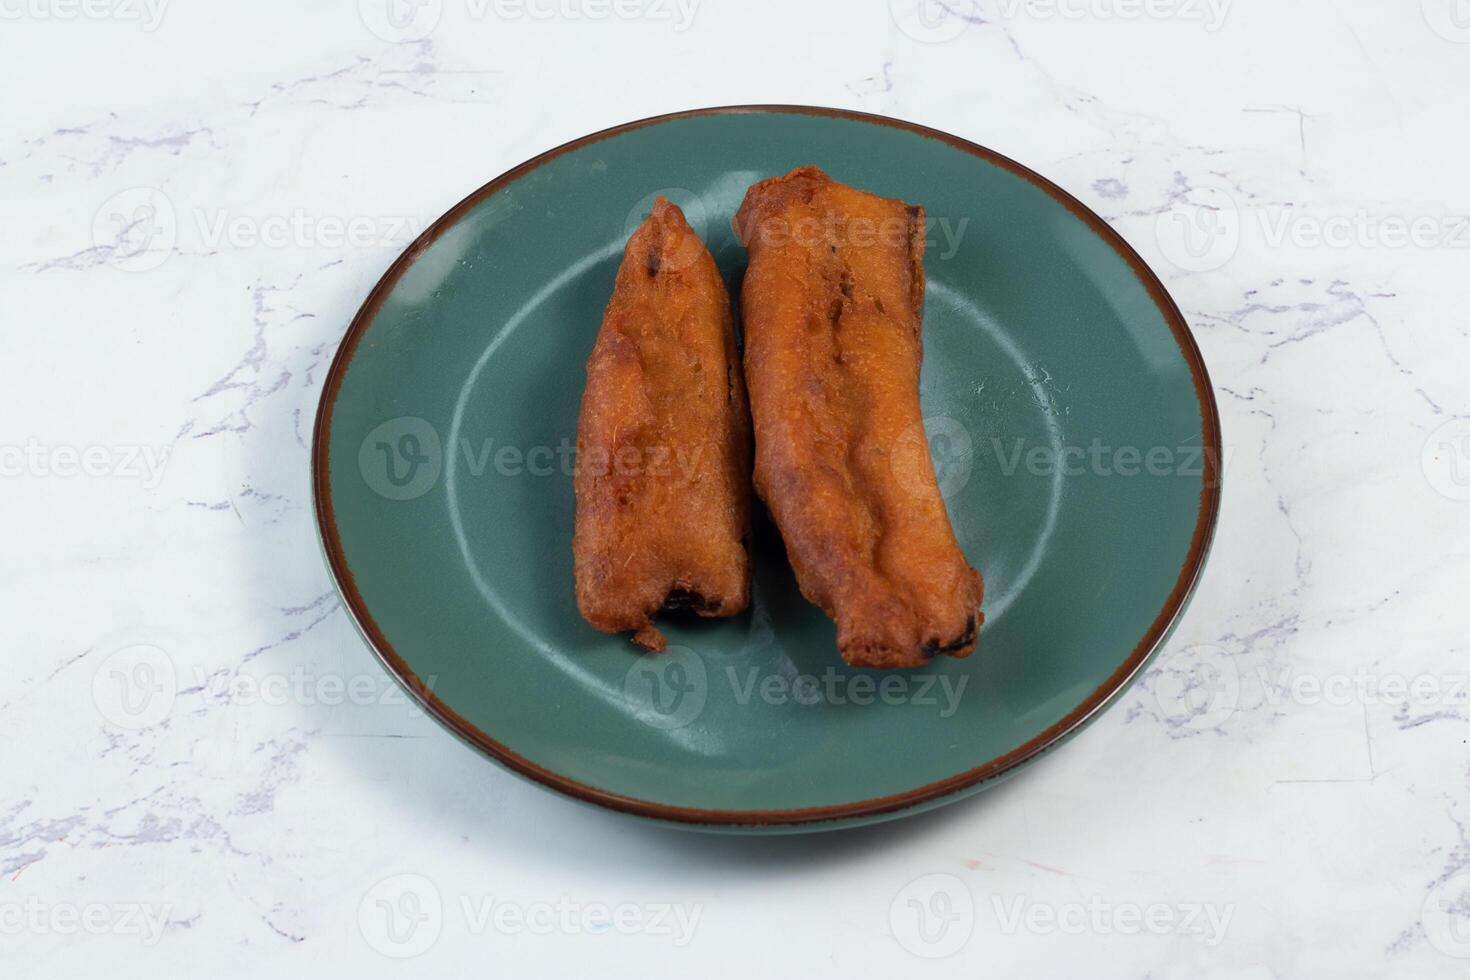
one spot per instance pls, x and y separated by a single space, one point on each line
663 442
830 309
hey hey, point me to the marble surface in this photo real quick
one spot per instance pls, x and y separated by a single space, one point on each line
200 763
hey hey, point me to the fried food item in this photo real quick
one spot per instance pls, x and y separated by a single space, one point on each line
663 442
831 313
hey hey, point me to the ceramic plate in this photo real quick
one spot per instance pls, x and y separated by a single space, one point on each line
1069 413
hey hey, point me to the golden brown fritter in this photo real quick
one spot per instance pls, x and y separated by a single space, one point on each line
830 309
663 442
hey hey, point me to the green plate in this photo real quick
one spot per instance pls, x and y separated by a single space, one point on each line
1069 414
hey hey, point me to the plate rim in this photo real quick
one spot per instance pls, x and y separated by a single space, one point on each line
800 817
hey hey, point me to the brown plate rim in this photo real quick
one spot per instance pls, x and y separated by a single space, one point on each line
995 768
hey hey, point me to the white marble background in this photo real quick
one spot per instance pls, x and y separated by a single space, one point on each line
1295 170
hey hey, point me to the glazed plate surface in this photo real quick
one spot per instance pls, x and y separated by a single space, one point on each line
1069 415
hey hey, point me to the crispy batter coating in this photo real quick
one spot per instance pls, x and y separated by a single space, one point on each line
831 313
663 442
